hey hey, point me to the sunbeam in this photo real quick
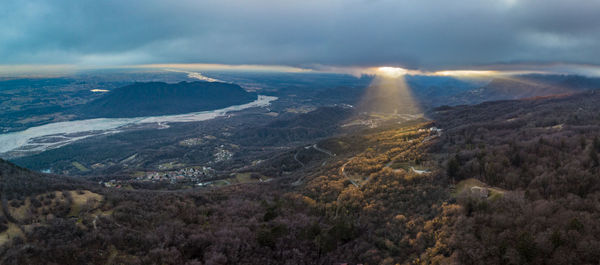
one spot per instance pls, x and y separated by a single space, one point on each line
389 94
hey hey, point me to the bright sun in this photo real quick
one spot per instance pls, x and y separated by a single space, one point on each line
391 71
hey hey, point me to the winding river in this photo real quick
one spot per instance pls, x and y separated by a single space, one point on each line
54 135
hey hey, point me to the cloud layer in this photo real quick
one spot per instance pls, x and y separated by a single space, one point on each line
425 34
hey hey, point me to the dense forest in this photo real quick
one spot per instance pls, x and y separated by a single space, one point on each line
506 182
544 154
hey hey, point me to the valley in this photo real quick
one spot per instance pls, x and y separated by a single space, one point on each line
54 135
335 181
299 132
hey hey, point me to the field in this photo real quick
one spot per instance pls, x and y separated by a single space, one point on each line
240 178
464 187
36 210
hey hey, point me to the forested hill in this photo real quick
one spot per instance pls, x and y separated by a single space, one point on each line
539 160
158 98
18 183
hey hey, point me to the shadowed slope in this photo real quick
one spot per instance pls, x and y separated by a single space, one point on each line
157 98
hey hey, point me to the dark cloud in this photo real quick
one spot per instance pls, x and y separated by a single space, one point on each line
425 34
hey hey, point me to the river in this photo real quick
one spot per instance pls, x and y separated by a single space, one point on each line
54 135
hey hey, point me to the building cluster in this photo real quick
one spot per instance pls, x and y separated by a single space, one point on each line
187 175
182 175
435 132
222 154
192 142
111 184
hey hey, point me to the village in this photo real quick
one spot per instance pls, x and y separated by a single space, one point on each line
194 175
190 174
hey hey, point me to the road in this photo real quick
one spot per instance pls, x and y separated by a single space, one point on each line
297 160
322 150
343 170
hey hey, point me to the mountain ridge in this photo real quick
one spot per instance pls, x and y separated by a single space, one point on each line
159 98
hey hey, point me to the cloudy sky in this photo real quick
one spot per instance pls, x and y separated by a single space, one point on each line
417 34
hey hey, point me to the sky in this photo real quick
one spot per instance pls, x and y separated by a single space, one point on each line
428 35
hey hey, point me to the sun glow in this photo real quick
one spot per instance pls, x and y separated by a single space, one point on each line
466 73
396 72
391 71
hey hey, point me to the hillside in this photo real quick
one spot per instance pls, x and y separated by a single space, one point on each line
158 98
18 183
505 182
539 160
326 216
528 86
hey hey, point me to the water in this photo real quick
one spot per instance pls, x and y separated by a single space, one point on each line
54 135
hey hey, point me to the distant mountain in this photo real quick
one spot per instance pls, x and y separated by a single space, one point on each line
528 86
433 91
158 98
